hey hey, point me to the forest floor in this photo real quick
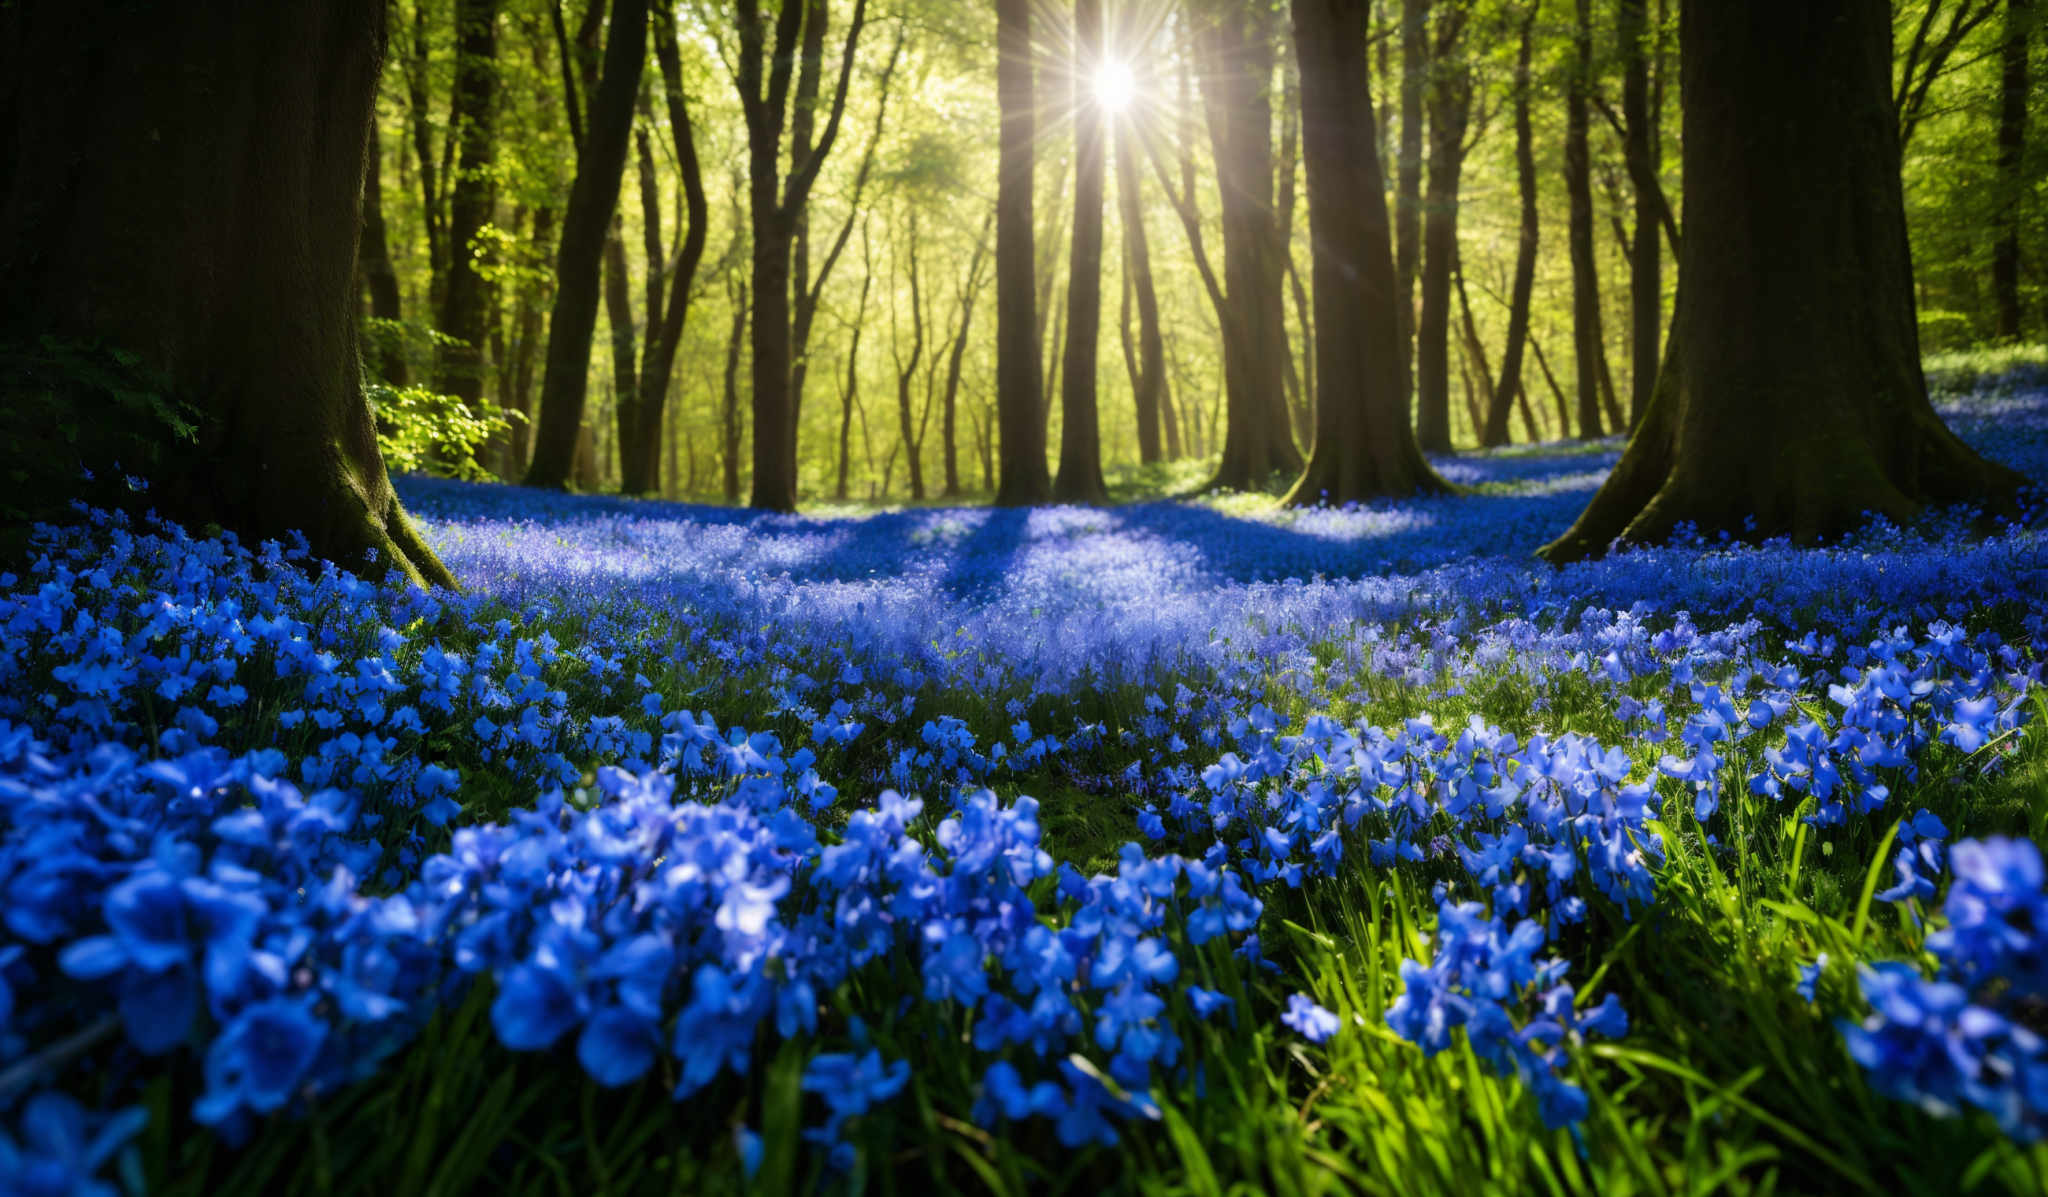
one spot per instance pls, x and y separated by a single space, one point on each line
1165 847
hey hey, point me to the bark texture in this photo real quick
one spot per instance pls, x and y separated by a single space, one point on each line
1791 393
183 181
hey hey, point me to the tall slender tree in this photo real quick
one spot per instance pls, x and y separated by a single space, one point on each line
1449 104
1365 446
1414 31
473 193
373 262
600 163
2012 145
161 158
1642 140
775 203
1025 479
1587 343
1791 399
956 355
1080 475
1236 43
1148 379
1496 430
641 416
808 289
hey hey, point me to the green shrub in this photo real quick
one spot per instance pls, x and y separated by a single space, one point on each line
422 432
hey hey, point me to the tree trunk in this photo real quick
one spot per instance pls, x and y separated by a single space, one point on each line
592 198
665 317
532 295
731 456
906 372
1578 182
775 205
1449 107
969 292
1496 431
373 256
808 292
472 121
1414 31
849 395
419 110
1080 474
1150 375
618 315
1025 479
1791 393
163 159
1474 348
803 121
1237 49
2012 143
1364 445
1642 146
1564 407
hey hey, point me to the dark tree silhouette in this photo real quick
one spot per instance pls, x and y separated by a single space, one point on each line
1449 105
1364 446
600 161
1587 344
373 262
1237 47
1024 478
641 415
1791 392
184 181
1496 430
775 204
473 123
1080 474
1642 140
2012 145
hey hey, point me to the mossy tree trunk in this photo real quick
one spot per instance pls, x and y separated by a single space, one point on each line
1791 391
184 180
1364 447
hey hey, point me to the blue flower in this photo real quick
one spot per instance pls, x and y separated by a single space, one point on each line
1309 1020
260 1059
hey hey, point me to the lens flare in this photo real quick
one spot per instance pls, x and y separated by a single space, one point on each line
1114 86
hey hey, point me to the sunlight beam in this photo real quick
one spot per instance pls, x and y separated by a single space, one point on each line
1114 86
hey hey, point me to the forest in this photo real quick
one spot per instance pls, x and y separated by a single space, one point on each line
1012 596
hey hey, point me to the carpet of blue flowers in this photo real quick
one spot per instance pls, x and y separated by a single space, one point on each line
1165 846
